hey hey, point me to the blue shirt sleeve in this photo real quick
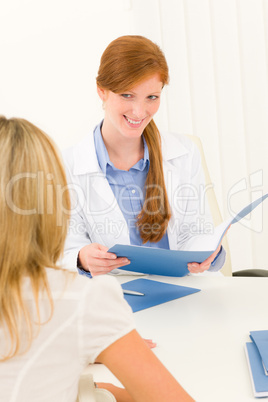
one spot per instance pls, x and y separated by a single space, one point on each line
82 271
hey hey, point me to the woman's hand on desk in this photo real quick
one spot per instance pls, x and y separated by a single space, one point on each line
95 258
196 268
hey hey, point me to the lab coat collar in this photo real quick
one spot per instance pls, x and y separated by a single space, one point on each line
85 158
173 146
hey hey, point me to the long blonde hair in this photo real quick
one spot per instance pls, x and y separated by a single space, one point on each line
127 61
34 211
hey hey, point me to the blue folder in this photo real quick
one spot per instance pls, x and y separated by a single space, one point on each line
260 338
154 293
258 378
157 261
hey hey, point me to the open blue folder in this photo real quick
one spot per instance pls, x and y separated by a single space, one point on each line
156 261
154 293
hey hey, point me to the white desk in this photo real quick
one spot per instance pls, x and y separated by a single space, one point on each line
201 337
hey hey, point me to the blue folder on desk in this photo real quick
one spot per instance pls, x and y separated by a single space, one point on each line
260 338
258 378
154 293
156 261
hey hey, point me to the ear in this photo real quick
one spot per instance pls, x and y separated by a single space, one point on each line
102 93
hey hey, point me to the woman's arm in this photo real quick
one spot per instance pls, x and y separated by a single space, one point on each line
140 371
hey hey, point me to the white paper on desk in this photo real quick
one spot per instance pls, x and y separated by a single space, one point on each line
156 261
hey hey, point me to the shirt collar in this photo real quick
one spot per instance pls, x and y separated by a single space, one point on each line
103 156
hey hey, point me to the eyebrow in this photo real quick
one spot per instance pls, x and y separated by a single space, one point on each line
134 93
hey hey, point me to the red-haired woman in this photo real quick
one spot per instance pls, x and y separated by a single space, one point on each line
134 186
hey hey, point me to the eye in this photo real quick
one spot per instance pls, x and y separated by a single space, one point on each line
153 97
126 96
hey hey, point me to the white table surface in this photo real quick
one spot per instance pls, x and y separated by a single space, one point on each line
200 338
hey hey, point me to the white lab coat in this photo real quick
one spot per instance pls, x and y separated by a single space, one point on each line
96 216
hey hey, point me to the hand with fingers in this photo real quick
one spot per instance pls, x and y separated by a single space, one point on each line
196 268
96 259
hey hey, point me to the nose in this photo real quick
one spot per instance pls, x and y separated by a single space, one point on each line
138 110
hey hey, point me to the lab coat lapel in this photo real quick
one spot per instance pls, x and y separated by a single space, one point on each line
106 213
171 181
172 148
103 200
102 209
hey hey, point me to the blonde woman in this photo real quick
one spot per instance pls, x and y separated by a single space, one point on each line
52 322
133 185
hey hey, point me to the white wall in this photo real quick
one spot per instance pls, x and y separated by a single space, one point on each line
217 51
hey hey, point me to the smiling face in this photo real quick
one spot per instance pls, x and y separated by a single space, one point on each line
128 113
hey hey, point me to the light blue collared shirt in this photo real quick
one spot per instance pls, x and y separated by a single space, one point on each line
128 188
